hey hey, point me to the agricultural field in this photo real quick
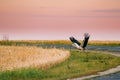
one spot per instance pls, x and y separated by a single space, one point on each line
12 57
34 63
105 43
66 42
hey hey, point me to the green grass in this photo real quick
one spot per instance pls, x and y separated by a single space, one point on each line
79 64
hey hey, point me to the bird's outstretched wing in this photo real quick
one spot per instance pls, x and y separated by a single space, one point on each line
74 40
85 41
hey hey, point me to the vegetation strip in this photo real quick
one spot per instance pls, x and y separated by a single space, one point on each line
15 57
109 71
79 64
66 42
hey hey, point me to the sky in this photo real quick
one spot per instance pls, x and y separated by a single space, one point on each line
60 19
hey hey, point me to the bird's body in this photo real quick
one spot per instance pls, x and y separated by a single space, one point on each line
78 45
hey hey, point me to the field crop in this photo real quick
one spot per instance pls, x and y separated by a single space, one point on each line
66 42
14 57
79 63
105 43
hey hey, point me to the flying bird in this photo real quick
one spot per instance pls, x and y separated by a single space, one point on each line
78 45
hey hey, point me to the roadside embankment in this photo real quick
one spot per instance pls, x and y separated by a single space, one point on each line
109 71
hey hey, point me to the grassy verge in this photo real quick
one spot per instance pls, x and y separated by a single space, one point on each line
66 42
79 64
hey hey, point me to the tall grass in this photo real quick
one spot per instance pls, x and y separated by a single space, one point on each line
66 42
12 57
79 64
18 42
106 43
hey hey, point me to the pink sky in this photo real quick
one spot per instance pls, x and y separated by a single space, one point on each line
60 19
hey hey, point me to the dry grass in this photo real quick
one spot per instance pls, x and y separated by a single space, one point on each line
13 57
97 42
67 42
